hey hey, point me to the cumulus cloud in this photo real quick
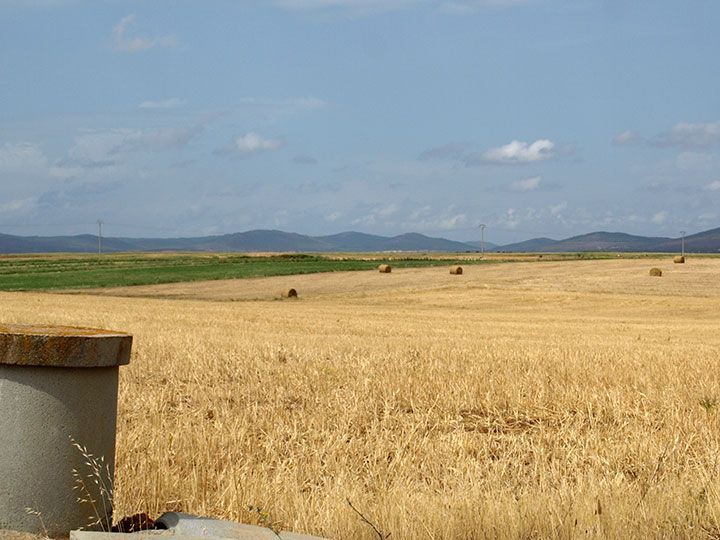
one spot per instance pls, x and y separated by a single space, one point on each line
706 217
21 157
558 209
659 218
101 152
18 206
517 152
362 6
427 219
97 145
469 6
529 184
713 186
376 6
249 144
378 214
446 223
170 103
689 135
627 137
127 41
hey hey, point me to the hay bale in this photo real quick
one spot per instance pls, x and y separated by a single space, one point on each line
384 268
456 270
290 293
679 259
655 272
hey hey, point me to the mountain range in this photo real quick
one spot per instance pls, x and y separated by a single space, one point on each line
280 241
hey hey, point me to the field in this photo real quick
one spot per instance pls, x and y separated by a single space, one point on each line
554 399
43 272
82 271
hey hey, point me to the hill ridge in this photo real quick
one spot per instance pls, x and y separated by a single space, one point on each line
274 240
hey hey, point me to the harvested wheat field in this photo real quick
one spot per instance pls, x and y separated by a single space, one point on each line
521 400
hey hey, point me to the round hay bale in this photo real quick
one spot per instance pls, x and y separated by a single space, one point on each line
384 268
290 293
456 270
679 259
655 272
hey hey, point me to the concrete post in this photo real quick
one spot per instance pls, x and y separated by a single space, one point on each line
57 384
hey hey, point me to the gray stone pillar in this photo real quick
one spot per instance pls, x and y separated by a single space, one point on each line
57 385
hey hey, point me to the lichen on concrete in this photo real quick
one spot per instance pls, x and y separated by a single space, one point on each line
62 346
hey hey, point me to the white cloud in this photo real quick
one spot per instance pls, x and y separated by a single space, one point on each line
659 218
529 184
388 210
520 152
101 153
18 206
558 209
627 137
469 6
379 214
424 219
361 6
376 6
713 186
22 157
707 217
510 219
101 145
252 143
333 216
170 103
125 41
449 223
689 135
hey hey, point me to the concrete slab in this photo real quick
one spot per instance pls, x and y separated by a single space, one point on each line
144 535
182 526
191 525
15 535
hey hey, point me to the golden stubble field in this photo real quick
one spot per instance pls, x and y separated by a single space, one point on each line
525 400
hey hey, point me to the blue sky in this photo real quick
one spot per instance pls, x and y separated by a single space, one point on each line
536 117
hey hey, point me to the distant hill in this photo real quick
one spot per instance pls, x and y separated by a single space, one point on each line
535 244
489 246
596 241
403 242
256 240
702 242
272 240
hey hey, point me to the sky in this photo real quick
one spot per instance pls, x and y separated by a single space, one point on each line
186 118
